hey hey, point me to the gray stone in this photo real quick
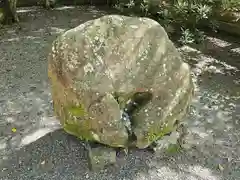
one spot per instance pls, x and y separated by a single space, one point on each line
100 157
119 81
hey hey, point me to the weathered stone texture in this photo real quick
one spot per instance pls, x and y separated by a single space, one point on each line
117 77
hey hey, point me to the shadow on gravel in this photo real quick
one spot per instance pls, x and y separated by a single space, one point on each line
222 47
25 104
58 155
215 115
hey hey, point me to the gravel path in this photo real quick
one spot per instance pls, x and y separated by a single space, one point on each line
33 147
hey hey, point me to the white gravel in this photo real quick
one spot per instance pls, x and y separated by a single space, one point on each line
25 104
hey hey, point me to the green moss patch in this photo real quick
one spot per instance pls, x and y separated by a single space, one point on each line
153 136
77 111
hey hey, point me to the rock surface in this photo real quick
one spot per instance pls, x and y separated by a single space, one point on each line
100 157
116 79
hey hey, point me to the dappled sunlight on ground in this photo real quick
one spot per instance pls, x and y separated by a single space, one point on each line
214 120
194 172
38 150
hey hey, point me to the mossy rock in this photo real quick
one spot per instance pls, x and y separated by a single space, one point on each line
119 81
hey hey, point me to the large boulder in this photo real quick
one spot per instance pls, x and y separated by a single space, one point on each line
119 81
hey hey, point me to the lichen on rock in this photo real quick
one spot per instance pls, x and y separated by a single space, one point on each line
101 157
119 81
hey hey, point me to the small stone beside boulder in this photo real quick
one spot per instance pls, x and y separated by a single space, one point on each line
119 81
100 157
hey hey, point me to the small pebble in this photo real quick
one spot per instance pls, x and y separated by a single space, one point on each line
87 176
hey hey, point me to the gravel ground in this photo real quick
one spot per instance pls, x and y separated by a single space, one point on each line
33 147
